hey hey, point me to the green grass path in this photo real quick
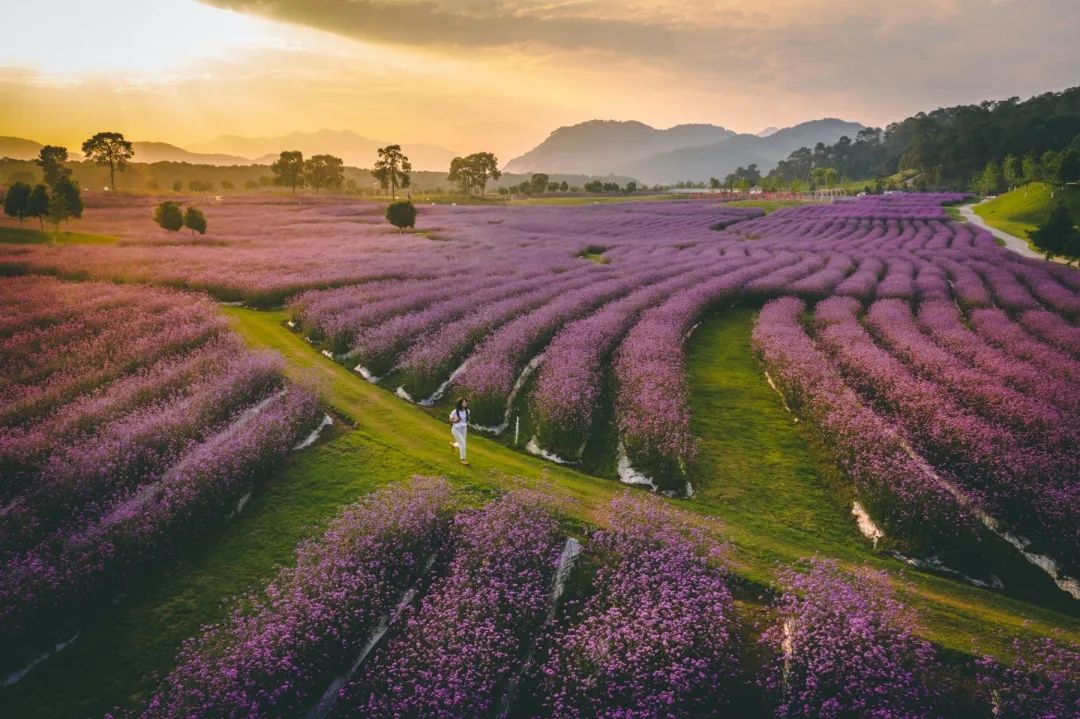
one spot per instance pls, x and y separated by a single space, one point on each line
756 471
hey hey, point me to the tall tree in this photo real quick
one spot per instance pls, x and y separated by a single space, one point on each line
109 149
288 169
392 169
992 181
50 160
1013 169
1032 170
17 200
37 205
324 171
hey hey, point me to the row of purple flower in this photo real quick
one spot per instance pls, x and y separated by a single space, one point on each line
654 633
133 420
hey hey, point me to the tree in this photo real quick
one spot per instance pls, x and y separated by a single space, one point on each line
1068 167
177 185
401 214
38 204
195 221
1032 171
538 183
57 212
1012 167
17 200
169 216
288 169
471 173
109 149
392 169
563 186
227 185
50 160
991 181
324 171
68 189
631 187
1057 235
594 186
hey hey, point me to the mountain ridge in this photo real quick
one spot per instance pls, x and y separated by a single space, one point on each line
677 153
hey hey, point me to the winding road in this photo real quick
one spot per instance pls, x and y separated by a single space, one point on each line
1012 242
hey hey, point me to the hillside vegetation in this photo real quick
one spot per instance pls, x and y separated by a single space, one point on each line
1020 211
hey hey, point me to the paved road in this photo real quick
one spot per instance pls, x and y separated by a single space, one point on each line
1012 242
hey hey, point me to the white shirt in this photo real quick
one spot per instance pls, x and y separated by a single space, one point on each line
461 419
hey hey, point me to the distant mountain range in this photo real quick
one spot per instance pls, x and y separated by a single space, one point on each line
228 150
595 148
683 152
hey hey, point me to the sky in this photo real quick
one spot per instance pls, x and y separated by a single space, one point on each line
499 76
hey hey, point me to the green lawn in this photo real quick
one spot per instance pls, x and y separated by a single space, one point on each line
769 206
1022 210
757 472
33 236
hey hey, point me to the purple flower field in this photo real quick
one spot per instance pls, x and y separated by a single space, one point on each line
938 372
131 419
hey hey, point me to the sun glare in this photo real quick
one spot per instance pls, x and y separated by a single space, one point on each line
72 39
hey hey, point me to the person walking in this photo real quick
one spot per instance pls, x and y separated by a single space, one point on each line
459 426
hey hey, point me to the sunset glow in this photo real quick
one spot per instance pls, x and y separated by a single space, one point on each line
503 75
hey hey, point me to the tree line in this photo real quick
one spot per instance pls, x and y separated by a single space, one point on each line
954 147
56 200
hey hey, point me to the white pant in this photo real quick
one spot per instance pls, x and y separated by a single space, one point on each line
459 437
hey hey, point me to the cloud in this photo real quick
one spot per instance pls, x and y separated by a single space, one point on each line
496 75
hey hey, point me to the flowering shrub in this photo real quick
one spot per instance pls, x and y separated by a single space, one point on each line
654 638
1040 681
277 652
847 649
78 566
131 420
463 642
903 496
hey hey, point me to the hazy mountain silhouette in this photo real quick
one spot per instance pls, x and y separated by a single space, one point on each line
599 146
683 152
18 148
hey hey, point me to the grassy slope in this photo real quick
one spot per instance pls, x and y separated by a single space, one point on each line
763 479
1020 211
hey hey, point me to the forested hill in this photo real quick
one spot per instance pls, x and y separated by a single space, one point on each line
950 146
